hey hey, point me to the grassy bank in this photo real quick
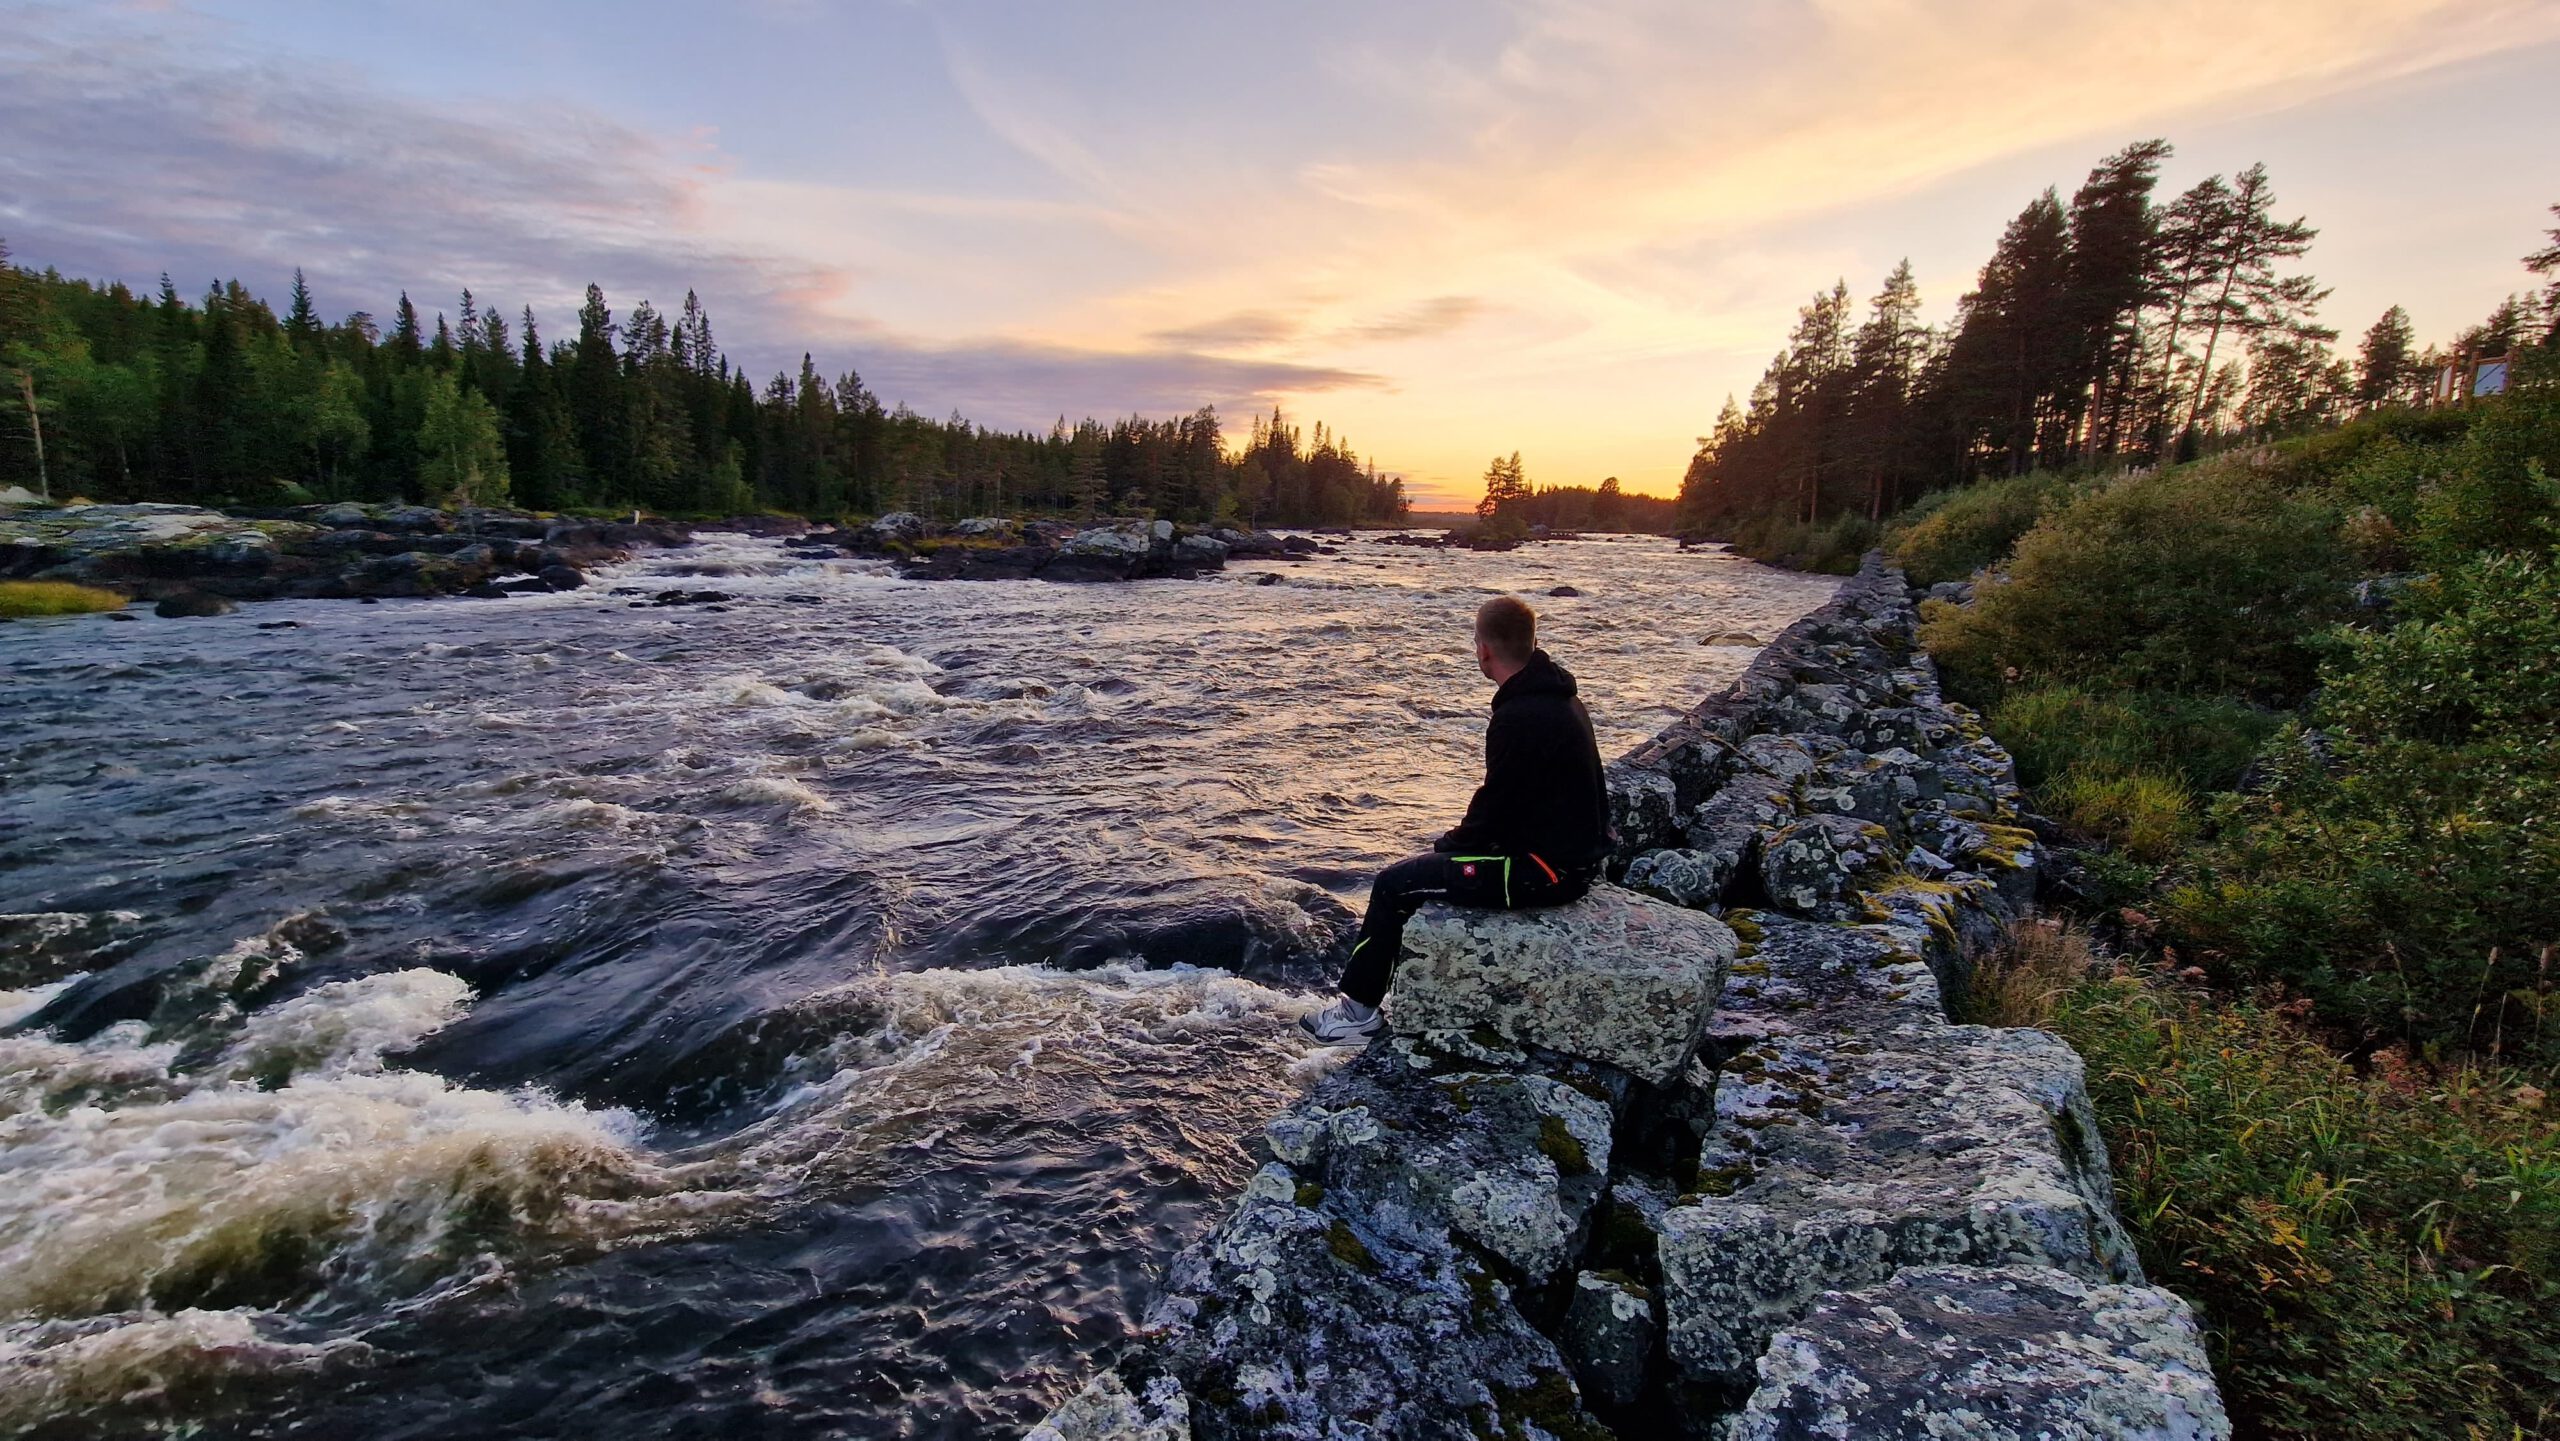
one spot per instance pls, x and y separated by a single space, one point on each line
2372 1249
2299 704
21 598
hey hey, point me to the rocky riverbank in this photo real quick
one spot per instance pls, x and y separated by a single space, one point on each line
199 562
999 548
1701 1155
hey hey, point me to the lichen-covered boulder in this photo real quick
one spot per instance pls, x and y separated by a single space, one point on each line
1107 1410
1614 977
1995 1354
1295 1321
1815 865
1609 1331
1837 1159
1512 1162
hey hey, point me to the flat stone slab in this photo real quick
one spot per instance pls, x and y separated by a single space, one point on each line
1836 1160
1991 1354
1107 1410
1615 977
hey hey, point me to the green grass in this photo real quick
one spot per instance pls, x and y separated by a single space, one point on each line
21 598
2373 1254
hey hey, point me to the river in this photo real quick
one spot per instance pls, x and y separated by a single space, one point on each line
815 1016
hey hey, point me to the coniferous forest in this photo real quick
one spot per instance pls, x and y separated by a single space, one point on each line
2115 328
223 402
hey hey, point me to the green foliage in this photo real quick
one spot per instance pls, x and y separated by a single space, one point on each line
220 402
2372 1255
21 598
2205 742
1953 533
2203 579
2400 871
1833 547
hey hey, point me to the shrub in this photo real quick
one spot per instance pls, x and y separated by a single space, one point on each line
2400 869
1953 533
2205 580
2372 1255
1834 547
54 597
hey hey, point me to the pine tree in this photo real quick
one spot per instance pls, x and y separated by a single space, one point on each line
2546 261
2385 361
301 322
407 346
2114 232
2247 295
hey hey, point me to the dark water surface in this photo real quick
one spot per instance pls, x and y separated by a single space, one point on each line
814 1017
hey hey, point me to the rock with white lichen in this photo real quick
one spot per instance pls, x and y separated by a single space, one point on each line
1990 1354
1836 1160
1614 977
1108 1410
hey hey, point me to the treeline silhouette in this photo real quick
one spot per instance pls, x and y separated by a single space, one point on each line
2108 330
224 402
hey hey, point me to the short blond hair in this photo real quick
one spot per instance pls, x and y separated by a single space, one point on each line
1507 627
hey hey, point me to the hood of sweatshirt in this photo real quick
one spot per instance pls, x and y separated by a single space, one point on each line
1541 676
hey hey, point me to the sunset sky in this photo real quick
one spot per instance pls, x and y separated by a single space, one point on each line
1450 228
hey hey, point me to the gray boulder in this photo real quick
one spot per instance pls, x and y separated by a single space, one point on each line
1514 1163
984 525
1996 1354
1837 1159
1609 1331
1107 1410
1815 866
1291 1318
1614 977
904 527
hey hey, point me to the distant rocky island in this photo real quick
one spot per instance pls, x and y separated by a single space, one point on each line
199 561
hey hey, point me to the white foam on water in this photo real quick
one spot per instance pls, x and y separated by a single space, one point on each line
137 1361
775 791
16 1006
296 1160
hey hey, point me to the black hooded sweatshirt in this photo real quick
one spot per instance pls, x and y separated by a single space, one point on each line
1542 794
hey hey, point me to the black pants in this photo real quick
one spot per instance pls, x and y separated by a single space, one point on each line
1494 882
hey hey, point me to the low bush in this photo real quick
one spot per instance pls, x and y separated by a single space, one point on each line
1953 533
1833 547
2205 579
2372 1255
2400 864
54 597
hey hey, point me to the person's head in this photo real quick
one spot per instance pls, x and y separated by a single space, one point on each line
1506 632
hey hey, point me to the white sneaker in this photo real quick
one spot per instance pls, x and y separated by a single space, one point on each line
1333 1026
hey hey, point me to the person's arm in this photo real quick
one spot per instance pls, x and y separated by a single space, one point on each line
1496 799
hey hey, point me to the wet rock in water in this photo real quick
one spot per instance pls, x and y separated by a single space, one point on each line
486 590
1609 1331
1614 977
188 603
279 625
1268 577
804 600
1996 1354
1107 1410
41 946
690 597
1732 638
122 615
1563 591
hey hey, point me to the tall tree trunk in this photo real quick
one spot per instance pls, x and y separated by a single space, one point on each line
27 389
2204 371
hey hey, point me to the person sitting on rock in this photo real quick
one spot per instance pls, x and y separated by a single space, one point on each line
1535 834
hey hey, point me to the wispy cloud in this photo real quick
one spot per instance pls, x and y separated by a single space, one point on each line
137 149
